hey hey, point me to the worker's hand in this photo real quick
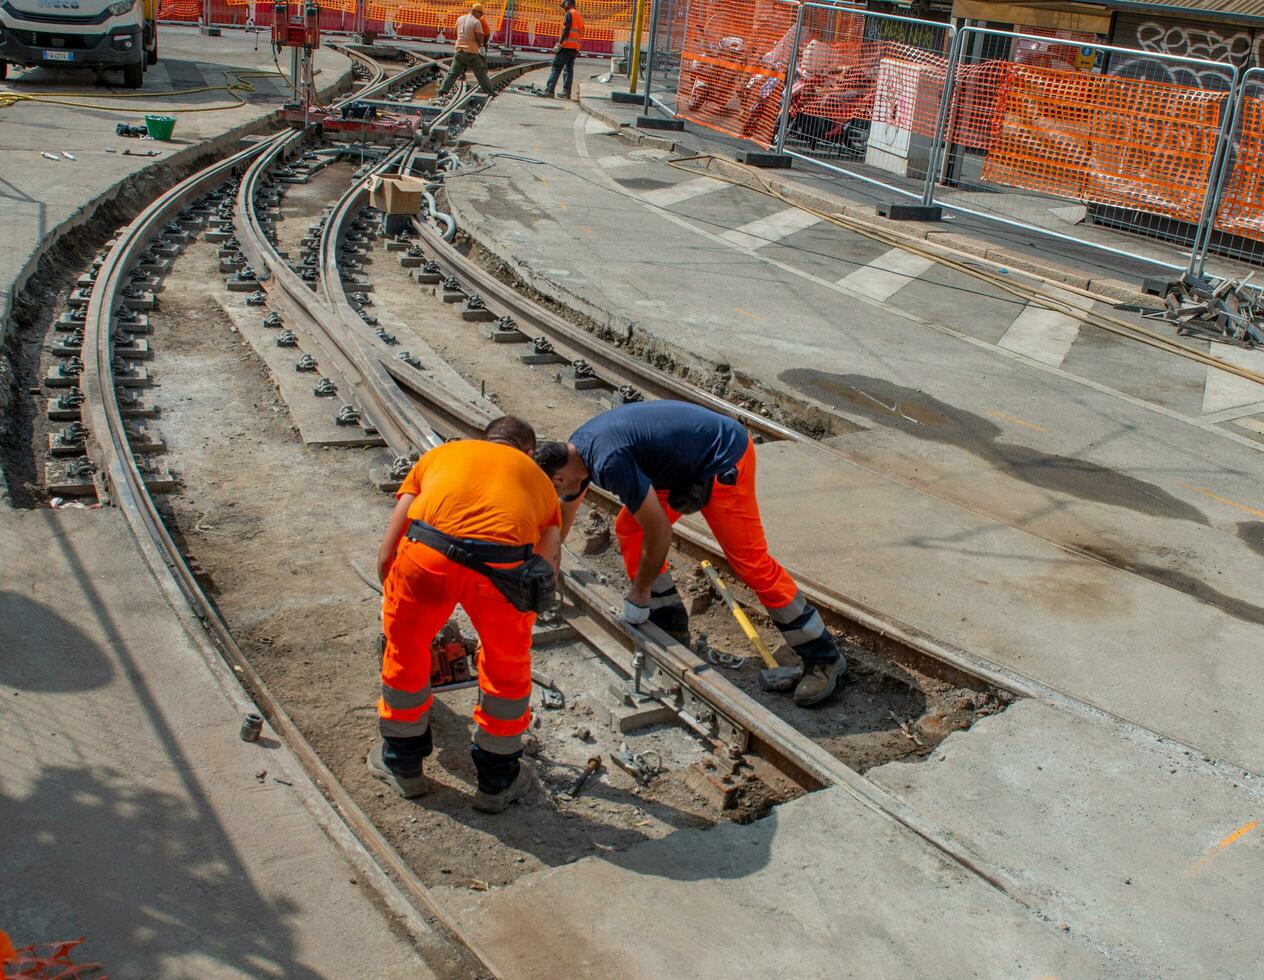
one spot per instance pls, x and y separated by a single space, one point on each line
636 605
633 614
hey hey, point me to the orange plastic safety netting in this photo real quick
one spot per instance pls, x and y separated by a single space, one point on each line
1106 140
733 65
440 15
605 21
1241 211
263 10
188 11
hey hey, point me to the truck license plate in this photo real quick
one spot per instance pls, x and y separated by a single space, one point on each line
59 56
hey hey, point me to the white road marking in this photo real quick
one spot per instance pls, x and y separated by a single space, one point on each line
595 127
1224 390
665 197
769 230
1045 335
887 274
977 342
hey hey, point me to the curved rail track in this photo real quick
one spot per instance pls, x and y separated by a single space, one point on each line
411 412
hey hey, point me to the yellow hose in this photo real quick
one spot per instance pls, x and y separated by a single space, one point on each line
1110 324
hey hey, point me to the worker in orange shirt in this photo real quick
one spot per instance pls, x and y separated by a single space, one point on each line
667 458
471 36
567 50
476 523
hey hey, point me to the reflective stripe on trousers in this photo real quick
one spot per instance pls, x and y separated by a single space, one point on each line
419 595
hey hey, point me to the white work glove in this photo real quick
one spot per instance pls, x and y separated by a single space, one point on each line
633 614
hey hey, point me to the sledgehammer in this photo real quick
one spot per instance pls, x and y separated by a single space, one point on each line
773 677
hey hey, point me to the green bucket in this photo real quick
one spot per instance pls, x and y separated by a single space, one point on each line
160 127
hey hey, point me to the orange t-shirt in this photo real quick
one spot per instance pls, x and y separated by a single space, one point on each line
482 490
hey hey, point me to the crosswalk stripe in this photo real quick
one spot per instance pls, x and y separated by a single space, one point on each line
1223 390
887 274
1045 335
767 231
684 191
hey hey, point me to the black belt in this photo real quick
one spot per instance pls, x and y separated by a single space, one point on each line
458 548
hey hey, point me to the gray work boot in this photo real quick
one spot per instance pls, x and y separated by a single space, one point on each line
819 681
406 786
523 783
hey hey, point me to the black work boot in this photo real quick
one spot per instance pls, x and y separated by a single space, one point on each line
524 782
408 787
667 610
672 620
819 681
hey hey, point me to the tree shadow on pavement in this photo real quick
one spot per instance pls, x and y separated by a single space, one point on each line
107 827
147 876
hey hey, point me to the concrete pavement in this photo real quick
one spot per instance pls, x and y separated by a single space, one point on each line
132 812
823 887
1112 534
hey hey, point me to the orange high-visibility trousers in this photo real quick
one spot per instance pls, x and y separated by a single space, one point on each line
732 513
421 590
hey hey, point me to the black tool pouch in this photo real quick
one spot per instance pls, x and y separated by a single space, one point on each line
529 587
690 499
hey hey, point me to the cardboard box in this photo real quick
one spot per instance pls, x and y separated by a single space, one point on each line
396 195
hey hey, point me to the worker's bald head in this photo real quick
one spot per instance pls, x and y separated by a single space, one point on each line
512 431
477 10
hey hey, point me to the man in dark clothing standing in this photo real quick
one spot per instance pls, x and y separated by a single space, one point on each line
567 49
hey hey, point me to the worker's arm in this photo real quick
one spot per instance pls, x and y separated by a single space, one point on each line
481 33
549 547
570 508
655 542
395 529
566 31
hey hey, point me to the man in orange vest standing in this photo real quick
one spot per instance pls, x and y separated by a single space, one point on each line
471 35
567 49
476 523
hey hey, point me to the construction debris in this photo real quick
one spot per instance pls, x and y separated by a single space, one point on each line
1217 309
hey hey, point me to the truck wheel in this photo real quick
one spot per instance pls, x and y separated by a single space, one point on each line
4 70
134 74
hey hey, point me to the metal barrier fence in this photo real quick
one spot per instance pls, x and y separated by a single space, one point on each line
1070 150
1059 136
669 22
1238 227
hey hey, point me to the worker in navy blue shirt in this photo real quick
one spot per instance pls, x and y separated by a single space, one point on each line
666 458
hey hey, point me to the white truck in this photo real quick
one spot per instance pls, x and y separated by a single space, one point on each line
120 35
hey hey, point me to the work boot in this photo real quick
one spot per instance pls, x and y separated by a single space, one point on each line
523 783
819 681
406 786
672 620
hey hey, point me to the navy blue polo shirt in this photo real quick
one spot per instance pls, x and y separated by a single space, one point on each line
669 445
